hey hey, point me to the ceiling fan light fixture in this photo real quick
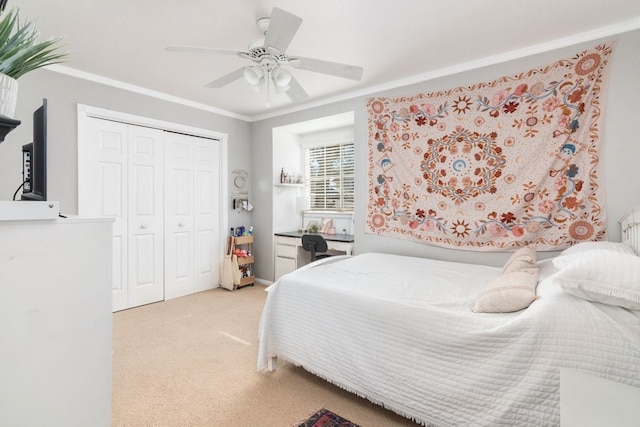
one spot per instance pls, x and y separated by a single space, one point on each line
281 78
257 88
253 75
281 90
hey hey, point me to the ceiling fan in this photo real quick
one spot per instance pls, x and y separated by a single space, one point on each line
269 55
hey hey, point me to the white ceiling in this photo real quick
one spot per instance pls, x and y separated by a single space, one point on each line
396 42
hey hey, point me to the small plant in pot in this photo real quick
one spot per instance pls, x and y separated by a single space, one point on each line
21 51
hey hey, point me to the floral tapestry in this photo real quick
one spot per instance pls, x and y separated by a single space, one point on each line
494 166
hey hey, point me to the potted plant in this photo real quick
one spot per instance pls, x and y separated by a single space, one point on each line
21 51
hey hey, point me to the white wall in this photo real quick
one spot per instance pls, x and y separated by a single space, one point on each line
622 149
286 155
251 145
64 93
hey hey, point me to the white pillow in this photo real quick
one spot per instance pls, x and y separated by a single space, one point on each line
569 255
599 245
508 292
607 276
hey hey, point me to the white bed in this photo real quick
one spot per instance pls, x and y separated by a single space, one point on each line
401 332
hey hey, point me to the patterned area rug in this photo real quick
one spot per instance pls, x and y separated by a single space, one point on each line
326 418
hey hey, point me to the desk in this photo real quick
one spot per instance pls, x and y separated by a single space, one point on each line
290 255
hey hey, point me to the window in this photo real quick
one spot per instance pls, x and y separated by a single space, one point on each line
329 173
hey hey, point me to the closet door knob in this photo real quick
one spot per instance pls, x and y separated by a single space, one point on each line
181 224
143 226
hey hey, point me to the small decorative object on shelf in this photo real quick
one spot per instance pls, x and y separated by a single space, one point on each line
286 178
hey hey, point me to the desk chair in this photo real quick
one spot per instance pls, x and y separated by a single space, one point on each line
315 243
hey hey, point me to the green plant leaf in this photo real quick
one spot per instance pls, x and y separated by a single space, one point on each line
20 48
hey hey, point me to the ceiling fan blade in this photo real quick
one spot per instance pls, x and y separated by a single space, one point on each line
295 91
282 27
346 71
225 80
196 49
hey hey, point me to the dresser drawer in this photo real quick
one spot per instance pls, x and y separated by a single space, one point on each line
291 241
287 251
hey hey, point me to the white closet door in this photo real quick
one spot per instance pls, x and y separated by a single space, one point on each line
102 192
178 212
192 194
163 189
145 211
120 175
206 213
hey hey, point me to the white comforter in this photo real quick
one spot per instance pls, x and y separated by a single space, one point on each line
400 332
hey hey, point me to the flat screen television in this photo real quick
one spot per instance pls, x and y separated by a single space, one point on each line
34 158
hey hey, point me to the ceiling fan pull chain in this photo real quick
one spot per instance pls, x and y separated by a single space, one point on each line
267 83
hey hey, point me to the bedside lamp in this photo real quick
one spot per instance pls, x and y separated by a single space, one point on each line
303 203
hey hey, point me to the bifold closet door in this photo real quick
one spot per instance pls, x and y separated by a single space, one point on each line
120 176
192 194
146 215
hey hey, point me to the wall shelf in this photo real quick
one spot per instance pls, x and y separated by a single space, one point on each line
280 187
288 185
6 126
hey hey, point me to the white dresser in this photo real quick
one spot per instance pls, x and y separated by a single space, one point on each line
55 322
587 400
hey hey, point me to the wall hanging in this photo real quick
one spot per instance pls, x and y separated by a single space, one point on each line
495 165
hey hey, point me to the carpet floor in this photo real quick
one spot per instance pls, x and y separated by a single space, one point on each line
191 362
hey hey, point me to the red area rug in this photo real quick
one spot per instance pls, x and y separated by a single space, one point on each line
326 418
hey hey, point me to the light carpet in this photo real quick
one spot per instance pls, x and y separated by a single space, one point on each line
191 361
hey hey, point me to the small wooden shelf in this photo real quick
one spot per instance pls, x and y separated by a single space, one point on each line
243 240
249 280
245 263
245 260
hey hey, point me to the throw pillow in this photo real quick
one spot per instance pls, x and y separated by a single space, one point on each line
524 257
508 292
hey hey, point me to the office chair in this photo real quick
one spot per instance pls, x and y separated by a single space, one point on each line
315 243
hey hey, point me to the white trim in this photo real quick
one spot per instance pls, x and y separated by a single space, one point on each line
583 37
595 34
313 144
143 91
101 113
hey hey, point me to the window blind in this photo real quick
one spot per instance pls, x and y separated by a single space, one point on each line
329 171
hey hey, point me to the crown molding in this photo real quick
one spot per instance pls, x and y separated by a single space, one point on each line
595 34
